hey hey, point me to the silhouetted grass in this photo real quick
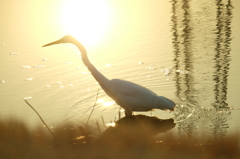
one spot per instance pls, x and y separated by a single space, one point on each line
130 138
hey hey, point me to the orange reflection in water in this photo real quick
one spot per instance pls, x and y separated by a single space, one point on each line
105 103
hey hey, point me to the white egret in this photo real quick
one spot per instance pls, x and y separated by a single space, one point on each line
130 96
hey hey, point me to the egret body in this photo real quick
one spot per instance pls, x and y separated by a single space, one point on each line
130 96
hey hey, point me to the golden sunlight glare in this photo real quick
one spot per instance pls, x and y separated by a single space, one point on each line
86 20
108 103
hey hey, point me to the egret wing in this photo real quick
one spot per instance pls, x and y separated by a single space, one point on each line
131 95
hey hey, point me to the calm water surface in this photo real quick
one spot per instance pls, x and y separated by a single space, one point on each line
186 51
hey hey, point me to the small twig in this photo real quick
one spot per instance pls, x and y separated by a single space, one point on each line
99 130
39 117
83 131
92 108
119 113
103 122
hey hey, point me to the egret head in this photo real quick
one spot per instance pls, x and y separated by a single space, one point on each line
65 39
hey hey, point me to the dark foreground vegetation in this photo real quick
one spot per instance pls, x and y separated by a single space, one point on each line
129 139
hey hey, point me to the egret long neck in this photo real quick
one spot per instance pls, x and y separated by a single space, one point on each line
102 80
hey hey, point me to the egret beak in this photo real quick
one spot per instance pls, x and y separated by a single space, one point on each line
52 43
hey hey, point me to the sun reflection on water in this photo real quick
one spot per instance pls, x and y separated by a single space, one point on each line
105 103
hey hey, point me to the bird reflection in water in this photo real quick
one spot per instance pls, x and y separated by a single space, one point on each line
136 132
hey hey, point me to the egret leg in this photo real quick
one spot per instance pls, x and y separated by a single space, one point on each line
128 113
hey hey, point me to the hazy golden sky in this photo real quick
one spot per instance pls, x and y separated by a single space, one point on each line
87 20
